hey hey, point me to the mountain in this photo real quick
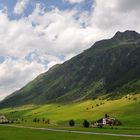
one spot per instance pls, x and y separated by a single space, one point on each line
110 67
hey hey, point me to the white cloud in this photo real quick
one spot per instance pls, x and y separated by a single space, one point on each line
20 6
74 1
16 73
44 36
110 16
128 5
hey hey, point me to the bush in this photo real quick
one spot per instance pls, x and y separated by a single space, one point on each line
134 98
97 104
43 119
106 116
71 123
47 121
86 123
36 120
100 125
117 122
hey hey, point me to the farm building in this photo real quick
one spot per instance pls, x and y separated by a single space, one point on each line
3 119
107 121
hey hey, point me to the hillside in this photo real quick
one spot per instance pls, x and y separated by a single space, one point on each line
110 67
125 109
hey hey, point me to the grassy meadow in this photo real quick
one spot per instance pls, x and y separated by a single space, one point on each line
125 109
11 133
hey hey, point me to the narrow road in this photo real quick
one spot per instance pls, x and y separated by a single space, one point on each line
76 131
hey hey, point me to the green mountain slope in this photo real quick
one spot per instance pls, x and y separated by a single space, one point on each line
110 67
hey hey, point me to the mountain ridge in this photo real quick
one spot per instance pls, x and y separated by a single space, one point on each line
128 35
110 67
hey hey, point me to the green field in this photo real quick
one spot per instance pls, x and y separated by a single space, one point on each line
11 133
125 109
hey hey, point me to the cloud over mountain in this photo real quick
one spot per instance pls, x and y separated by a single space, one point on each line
46 37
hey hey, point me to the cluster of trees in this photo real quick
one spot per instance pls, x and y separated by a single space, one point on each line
37 120
85 123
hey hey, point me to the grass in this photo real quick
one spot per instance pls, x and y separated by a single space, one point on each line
11 133
125 109
103 130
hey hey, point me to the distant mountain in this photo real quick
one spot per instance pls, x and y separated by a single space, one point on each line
110 67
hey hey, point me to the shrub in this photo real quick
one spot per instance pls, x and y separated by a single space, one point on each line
36 120
43 119
134 98
117 122
106 116
86 123
47 121
102 103
100 125
97 104
71 123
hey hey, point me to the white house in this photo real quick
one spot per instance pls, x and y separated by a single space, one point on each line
3 119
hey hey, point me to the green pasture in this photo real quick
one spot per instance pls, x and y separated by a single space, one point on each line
11 133
126 109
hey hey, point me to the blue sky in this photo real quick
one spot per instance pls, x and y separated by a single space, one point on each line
48 4
37 34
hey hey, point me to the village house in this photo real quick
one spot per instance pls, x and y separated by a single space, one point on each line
3 119
107 121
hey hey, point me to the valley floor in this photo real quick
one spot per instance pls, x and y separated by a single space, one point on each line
125 109
14 133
